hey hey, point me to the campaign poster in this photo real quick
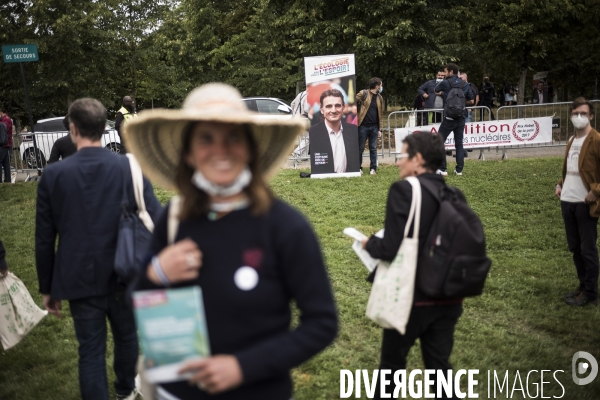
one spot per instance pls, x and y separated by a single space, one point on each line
331 98
483 134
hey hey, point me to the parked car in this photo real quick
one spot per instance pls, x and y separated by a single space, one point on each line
269 107
47 131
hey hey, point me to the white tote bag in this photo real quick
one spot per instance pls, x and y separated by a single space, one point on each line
18 312
392 293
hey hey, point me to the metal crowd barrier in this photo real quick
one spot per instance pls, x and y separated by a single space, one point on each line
562 127
25 160
416 118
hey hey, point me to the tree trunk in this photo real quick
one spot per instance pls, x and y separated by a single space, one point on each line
523 75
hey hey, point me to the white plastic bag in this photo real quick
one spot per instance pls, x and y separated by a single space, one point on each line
391 298
18 312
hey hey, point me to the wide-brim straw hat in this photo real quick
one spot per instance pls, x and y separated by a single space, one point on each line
155 137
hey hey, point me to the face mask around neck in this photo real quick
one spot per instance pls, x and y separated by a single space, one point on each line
239 184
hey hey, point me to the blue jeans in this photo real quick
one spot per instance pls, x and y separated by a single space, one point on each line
89 317
372 133
458 127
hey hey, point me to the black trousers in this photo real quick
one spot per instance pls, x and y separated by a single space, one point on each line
582 233
434 326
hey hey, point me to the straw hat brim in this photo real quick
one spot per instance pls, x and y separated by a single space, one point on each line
155 139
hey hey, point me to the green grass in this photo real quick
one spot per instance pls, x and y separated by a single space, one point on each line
520 323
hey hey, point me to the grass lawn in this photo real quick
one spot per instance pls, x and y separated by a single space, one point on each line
519 324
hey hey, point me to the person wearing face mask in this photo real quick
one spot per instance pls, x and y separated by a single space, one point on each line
579 194
250 253
370 120
433 99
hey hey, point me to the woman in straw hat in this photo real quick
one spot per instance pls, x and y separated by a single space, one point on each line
250 253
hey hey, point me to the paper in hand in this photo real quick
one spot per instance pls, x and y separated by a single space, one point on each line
364 256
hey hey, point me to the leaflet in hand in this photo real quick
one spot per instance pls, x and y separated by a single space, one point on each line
172 329
364 256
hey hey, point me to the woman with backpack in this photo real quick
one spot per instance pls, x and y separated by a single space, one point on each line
250 253
431 321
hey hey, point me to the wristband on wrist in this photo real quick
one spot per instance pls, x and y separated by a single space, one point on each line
159 272
557 186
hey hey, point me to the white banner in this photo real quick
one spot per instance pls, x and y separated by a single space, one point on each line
321 68
491 133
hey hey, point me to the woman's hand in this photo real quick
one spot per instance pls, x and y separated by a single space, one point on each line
215 374
179 262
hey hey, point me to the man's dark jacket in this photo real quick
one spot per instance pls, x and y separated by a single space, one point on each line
320 143
79 200
535 96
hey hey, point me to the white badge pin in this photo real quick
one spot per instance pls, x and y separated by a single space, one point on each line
245 278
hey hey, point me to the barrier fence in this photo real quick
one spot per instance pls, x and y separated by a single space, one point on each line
562 128
416 118
25 160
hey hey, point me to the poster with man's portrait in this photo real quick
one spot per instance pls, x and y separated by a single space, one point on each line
331 98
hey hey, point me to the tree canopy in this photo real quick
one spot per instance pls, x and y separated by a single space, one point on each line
158 50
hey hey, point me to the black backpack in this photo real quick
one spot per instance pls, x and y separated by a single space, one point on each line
453 263
4 138
455 101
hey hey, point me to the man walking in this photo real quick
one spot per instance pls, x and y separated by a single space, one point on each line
125 113
579 194
452 86
432 98
79 200
6 149
370 120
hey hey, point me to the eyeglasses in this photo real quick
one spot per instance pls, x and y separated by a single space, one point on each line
337 106
577 114
401 155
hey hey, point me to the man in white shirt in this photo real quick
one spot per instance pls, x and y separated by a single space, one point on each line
333 143
579 194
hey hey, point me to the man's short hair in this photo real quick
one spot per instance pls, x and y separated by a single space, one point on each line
331 93
374 82
89 117
452 67
440 69
465 75
580 101
431 147
66 123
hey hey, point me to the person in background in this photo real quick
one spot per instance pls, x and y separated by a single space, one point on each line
370 121
579 194
124 115
431 321
433 99
3 264
454 125
487 92
6 150
509 94
63 147
79 202
540 94
250 253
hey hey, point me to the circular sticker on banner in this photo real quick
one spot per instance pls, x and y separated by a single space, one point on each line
245 278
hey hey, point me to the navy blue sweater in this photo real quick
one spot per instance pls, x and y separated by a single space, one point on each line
254 325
